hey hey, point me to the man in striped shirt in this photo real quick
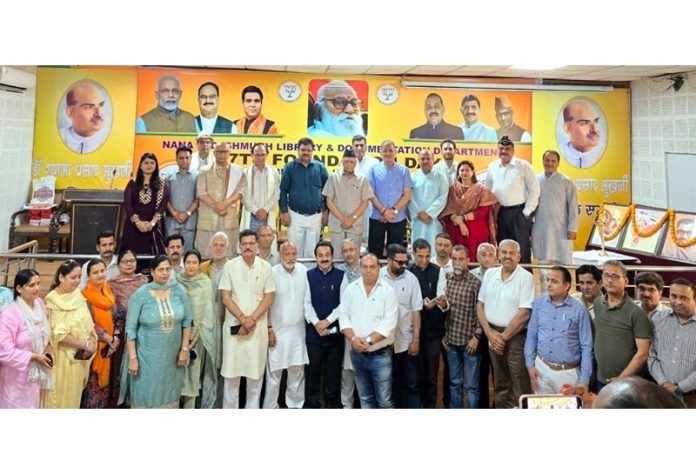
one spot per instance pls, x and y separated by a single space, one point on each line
672 360
558 349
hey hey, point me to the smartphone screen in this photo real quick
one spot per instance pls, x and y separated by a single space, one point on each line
558 402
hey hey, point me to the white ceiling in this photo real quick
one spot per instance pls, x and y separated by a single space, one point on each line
575 73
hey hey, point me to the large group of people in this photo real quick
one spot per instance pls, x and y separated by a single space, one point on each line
226 310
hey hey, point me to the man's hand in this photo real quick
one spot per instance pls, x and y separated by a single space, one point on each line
572 235
347 222
359 344
422 215
669 386
272 341
321 327
445 345
389 214
285 219
496 342
414 348
472 346
533 375
325 217
249 323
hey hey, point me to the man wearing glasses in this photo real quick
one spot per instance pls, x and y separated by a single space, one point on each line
209 103
337 111
407 335
622 329
167 116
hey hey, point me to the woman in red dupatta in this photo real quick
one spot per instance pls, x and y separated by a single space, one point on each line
100 301
471 211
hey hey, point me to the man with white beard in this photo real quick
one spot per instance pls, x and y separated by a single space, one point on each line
337 111
286 331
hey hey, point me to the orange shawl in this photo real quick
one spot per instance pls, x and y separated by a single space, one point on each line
256 127
100 303
461 200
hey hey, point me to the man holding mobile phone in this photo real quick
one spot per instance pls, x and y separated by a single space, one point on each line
558 350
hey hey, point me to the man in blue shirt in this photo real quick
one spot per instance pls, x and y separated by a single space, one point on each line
558 349
391 183
302 206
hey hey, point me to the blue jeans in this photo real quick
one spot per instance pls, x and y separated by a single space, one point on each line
255 223
464 370
373 376
406 380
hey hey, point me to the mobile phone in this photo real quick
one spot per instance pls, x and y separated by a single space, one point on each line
563 402
50 359
192 354
234 330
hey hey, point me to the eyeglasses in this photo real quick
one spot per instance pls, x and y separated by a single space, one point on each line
341 102
401 263
612 276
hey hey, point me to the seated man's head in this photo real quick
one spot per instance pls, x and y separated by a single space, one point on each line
338 109
168 92
84 105
471 109
503 111
209 99
434 109
252 101
636 392
581 123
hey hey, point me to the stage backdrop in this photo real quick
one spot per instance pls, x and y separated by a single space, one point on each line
93 124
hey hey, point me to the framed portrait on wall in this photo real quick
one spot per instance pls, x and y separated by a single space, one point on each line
646 220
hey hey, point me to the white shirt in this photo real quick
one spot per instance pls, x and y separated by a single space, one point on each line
365 314
502 299
579 159
287 318
451 172
514 184
111 272
80 144
408 295
447 268
365 165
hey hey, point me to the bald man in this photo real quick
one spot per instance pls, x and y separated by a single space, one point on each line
85 109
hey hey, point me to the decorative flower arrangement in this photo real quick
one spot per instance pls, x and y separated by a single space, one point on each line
652 230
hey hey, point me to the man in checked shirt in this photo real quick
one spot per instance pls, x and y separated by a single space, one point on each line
462 331
558 349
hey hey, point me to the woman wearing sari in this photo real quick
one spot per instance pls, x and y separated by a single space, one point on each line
26 357
201 373
72 337
470 213
100 301
158 330
122 286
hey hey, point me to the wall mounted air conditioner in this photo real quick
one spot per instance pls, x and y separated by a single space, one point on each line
16 80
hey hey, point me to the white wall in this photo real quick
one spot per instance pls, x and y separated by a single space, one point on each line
16 141
662 122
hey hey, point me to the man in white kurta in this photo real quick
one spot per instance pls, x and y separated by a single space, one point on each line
556 219
247 291
448 164
286 330
427 200
262 192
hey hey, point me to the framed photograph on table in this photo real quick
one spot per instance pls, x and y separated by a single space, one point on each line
646 220
684 229
613 213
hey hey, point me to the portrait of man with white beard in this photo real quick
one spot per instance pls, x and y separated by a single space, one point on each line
337 111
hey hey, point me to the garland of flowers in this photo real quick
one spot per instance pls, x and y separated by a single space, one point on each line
673 232
670 215
619 226
653 230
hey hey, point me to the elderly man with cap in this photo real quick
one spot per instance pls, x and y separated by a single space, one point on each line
202 159
514 183
504 114
337 111
347 195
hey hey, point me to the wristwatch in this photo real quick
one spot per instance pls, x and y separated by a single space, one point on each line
188 213
678 392
368 339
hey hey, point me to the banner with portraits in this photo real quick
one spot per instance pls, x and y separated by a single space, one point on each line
93 124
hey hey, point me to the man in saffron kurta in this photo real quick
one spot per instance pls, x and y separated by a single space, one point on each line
247 291
219 191
253 123
428 199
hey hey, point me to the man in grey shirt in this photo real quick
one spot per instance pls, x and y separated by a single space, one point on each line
182 207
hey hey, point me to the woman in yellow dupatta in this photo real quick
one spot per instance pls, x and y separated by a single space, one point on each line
101 302
72 337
